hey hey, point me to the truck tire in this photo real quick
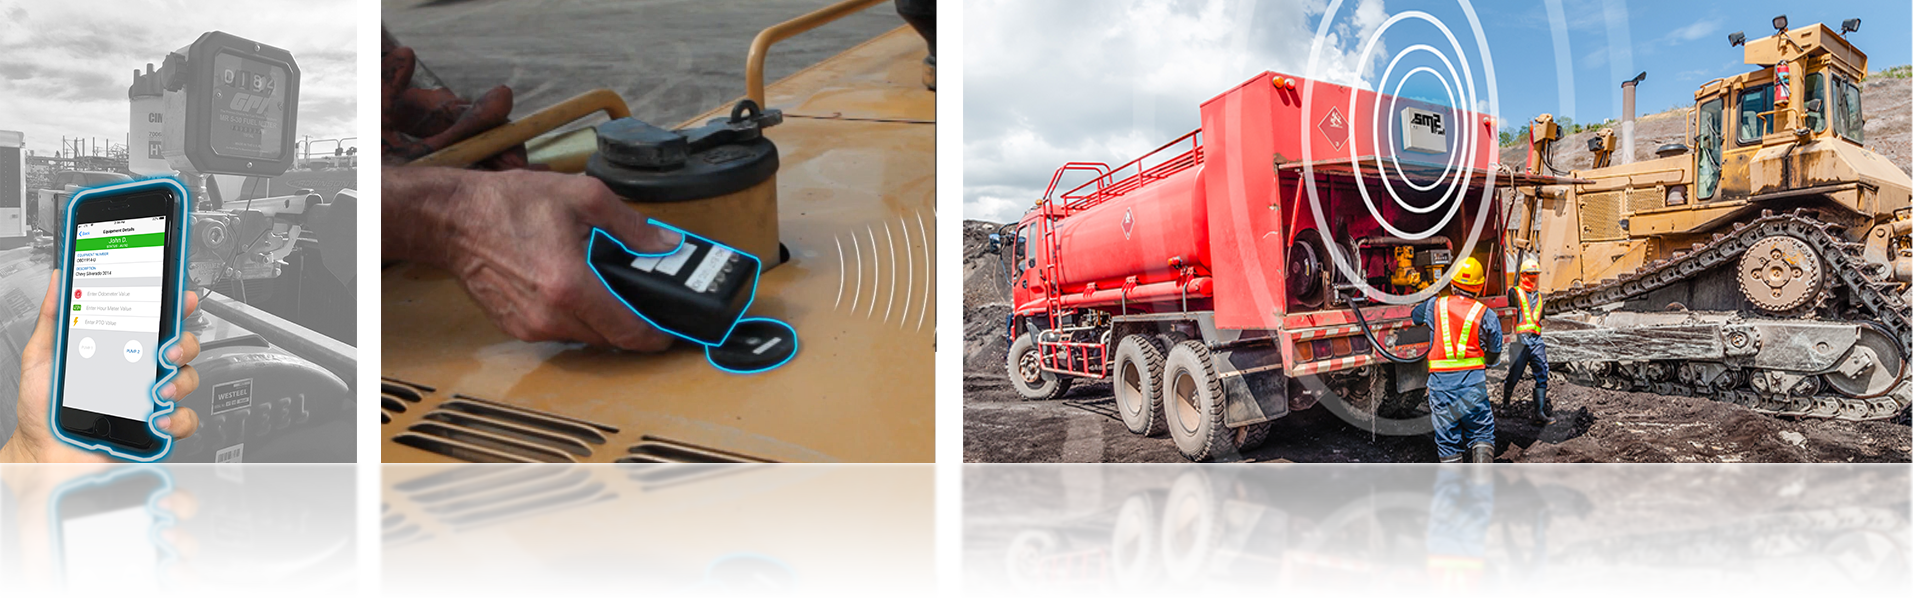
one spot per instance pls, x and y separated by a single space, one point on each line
1251 437
1192 528
1026 551
1137 384
1192 403
1135 543
1031 382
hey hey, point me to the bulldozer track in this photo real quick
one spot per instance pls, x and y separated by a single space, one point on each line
1866 296
1734 547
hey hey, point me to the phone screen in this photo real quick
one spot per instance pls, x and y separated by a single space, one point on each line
113 316
108 555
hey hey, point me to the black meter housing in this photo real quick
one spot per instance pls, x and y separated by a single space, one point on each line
233 104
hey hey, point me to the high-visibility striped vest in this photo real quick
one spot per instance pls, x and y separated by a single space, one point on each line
1454 576
1530 313
1460 340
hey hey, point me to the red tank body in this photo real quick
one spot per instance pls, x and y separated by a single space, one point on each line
1203 280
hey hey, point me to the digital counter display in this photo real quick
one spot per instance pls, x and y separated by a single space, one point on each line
249 107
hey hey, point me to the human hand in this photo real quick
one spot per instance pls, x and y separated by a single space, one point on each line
35 541
33 442
630 587
516 241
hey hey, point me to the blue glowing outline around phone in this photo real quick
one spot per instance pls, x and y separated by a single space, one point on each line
162 519
161 406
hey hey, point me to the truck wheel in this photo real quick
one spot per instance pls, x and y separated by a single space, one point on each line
1138 384
1026 553
1251 436
1192 528
1030 380
1133 543
1192 402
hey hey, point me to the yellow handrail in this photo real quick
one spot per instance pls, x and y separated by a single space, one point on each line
754 63
490 143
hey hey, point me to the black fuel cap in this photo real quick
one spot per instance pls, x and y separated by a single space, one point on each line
755 345
752 576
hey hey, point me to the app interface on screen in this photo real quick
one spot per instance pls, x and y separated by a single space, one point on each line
113 316
108 555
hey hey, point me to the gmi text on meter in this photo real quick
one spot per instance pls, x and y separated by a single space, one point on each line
233 106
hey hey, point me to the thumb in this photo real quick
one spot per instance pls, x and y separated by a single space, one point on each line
39 347
637 233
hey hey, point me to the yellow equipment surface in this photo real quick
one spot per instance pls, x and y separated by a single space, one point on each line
857 211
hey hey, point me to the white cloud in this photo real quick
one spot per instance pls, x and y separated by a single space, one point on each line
65 66
1697 30
1050 82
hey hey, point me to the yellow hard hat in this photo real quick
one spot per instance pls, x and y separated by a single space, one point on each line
1530 266
1469 275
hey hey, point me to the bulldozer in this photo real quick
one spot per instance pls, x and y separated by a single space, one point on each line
1767 264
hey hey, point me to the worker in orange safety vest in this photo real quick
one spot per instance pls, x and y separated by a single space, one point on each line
1533 355
1467 337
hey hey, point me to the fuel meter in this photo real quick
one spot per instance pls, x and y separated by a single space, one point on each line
232 106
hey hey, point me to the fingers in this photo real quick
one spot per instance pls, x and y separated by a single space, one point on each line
180 541
182 384
604 209
40 346
192 305
610 317
179 424
183 351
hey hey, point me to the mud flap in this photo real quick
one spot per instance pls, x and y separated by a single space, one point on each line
1255 392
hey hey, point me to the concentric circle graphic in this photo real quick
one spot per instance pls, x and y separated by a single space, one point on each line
1464 105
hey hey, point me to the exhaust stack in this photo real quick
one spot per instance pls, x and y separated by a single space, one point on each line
1627 117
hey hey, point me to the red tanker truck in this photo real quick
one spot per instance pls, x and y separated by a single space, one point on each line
1216 279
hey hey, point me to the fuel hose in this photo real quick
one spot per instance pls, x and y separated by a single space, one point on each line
1355 302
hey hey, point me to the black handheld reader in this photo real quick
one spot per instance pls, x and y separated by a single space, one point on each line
697 291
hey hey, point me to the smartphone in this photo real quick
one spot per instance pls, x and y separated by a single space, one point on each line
123 258
104 535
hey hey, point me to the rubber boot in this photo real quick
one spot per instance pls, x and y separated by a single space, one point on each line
1542 410
1507 390
1481 463
1454 459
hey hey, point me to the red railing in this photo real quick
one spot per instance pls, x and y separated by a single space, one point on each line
1128 177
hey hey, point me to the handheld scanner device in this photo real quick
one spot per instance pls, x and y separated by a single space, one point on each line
743 576
697 291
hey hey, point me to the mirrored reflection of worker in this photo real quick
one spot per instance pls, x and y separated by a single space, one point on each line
1466 334
1459 511
1531 354
514 237
1531 572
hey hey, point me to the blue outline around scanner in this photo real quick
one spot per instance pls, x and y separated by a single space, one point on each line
161 520
794 346
597 232
161 407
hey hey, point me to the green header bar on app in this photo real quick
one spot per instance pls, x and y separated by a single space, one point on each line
120 242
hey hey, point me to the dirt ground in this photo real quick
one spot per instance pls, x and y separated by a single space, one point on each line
1588 501
1593 425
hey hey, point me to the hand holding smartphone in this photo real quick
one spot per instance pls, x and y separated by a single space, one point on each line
106 535
124 263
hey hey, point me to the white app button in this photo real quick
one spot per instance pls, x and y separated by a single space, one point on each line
133 351
86 347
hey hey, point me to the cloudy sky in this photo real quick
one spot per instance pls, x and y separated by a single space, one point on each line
65 65
1048 82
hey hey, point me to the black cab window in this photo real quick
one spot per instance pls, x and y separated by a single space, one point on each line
1754 123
